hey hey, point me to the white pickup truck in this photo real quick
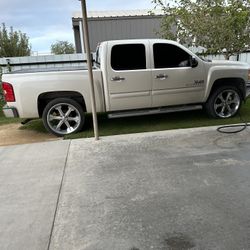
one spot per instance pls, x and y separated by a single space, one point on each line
131 77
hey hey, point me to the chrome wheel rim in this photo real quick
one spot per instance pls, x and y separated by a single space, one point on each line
63 118
227 103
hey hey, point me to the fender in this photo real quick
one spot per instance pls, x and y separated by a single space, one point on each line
225 75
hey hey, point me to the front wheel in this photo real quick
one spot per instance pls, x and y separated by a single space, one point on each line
63 116
224 102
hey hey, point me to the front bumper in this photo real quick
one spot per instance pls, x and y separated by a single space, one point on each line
10 112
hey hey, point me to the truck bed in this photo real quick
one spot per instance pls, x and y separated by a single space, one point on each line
52 69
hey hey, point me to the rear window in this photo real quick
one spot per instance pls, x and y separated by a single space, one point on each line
128 57
97 55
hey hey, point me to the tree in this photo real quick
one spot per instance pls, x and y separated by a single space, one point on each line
220 26
13 43
62 47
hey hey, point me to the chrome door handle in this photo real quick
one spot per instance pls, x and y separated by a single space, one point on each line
161 77
117 79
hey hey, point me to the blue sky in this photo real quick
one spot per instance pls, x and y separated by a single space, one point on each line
46 21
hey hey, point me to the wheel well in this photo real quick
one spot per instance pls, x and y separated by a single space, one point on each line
45 98
236 82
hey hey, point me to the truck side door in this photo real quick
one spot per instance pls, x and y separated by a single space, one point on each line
129 76
174 80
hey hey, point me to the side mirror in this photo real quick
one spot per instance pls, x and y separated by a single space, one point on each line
193 62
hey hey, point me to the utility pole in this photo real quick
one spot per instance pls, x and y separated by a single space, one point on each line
85 36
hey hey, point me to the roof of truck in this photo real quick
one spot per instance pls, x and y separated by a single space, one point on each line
154 40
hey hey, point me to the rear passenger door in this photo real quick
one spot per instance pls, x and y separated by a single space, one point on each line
174 80
129 75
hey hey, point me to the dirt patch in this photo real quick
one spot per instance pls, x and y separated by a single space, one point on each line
10 134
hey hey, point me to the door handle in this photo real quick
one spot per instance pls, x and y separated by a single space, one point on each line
117 79
161 77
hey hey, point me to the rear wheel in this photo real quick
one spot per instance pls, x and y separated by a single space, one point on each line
63 116
224 102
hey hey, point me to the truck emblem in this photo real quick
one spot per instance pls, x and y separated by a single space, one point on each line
198 82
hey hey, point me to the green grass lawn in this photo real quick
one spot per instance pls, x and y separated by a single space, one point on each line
148 123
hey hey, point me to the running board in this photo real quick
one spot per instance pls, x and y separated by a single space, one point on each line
137 112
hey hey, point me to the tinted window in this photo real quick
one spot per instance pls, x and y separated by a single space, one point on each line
128 57
170 56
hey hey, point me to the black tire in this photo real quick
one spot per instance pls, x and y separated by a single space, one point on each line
224 102
68 117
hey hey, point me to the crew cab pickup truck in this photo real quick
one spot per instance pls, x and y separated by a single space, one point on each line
131 77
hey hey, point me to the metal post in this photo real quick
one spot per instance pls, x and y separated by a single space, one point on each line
85 35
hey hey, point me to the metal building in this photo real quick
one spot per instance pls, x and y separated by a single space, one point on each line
112 25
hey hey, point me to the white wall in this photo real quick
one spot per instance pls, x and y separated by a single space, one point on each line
42 62
74 60
243 57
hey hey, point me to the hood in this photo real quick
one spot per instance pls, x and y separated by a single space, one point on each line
229 63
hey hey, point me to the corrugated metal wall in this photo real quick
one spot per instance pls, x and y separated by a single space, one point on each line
73 60
42 62
122 28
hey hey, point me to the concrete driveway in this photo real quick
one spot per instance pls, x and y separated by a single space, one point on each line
183 189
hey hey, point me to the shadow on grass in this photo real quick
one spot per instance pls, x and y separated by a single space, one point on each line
188 119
